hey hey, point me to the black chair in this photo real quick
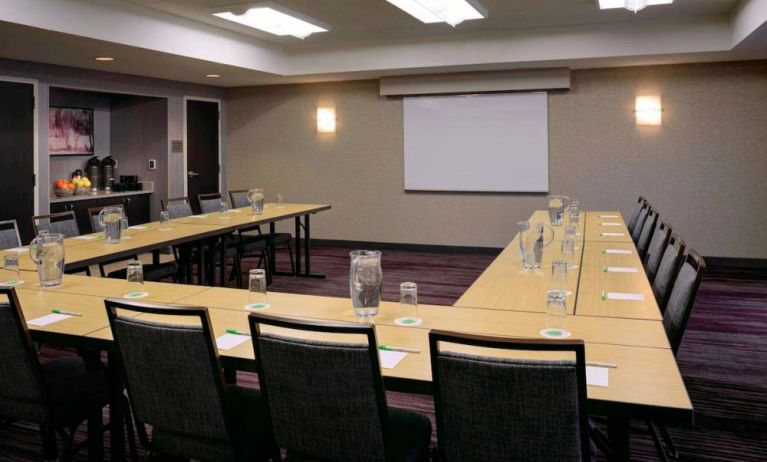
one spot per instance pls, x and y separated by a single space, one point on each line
180 207
641 204
491 409
678 311
637 229
176 385
152 272
63 223
210 202
9 234
667 269
655 249
275 241
646 234
326 400
59 395
177 207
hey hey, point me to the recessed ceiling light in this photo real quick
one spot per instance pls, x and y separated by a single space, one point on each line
631 5
103 58
272 18
212 76
452 12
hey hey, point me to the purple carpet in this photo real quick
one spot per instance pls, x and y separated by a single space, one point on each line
723 357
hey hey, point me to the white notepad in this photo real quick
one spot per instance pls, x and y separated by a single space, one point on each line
137 227
597 376
229 341
234 211
608 216
198 216
610 224
624 296
48 319
16 249
390 359
86 237
614 234
621 269
618 251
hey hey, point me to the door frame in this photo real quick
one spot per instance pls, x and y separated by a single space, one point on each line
35 134
220 144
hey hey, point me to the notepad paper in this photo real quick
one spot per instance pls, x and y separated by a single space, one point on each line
48 319
610 224
597 376
608 216
16 249
624 296
198 216
614 234
86 237
618 251
229 341
621 269
390 359
137 227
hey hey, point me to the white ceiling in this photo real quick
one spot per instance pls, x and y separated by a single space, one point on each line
180 40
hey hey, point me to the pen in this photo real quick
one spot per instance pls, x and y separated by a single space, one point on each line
402 349
604 295
607 365
69 313
235 332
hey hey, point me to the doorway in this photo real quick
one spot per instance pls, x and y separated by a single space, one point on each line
18 188
203 148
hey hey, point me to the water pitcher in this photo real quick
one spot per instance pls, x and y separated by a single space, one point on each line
47 251
111 221
365 280
532 239
557 206
256 198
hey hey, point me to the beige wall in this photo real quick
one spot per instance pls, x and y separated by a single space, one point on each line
704 169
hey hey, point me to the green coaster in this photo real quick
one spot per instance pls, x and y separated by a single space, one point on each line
408 321
133 295
257 306
12 283
555 333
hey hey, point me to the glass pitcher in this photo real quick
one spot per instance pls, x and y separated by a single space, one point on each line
557 206
256 198
111 221
47 251
532 242
365 281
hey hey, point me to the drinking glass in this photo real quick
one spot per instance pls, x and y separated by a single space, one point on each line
557 206
559 276
575 212
568 246
571 230
164 221
11 265
556 315
223 207
256 198
408 305
257 290
135 278
280 201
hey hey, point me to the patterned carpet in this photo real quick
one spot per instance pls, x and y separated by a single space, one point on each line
723 357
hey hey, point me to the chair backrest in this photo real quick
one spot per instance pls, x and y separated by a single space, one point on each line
637 229
93 217
239 198
667 269
641 204
210 202
174 378
9 234
325 399
177 207
655 249
61 223
22 394
646 234
682 298
491 408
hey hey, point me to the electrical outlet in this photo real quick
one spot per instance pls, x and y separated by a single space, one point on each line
152 164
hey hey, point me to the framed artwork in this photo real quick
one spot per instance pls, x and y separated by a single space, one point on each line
70 131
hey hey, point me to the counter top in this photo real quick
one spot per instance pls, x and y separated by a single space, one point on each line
148 189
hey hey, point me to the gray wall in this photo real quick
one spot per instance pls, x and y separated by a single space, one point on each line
704 168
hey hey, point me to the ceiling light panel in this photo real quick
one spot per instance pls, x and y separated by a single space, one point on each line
452 12
610 4
272 18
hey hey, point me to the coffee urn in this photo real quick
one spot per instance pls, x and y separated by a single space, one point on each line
108 172
93 172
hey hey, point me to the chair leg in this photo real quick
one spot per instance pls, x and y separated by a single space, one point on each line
95 435
657 440
129 427
48 435
238 269
292 261
672 451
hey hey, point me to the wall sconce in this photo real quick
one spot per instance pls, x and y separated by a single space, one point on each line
648 110
326 120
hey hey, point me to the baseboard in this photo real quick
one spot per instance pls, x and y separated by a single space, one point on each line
406 247
740 263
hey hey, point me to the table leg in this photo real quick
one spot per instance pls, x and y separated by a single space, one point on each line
201 267
298 245
222 256
618 432
307 252
116 411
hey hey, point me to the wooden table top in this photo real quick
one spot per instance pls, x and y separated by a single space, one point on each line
243 217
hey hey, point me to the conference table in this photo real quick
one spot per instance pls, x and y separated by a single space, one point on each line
645 381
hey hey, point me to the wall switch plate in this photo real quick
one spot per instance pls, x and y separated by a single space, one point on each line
152 164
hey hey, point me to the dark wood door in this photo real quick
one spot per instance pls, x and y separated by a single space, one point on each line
201 149
17 180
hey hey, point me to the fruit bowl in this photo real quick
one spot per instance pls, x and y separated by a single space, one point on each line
63 192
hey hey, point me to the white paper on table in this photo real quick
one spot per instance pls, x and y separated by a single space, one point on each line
228 341
234 211
16 249
86 237
618 251
597 376
622 269
614 234
136 227
624 296
610 224
390 359
48 319
199 216
608 216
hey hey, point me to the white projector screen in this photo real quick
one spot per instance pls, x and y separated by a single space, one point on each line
493 143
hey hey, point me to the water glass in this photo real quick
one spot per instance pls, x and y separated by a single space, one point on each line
559 275
571 230
575 212
280 201
11 265
256 198
257 290
223 208
164 221
408 305
135 278
568 246
557 206
125 223
556 315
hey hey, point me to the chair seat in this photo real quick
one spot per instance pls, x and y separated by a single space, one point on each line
74 387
